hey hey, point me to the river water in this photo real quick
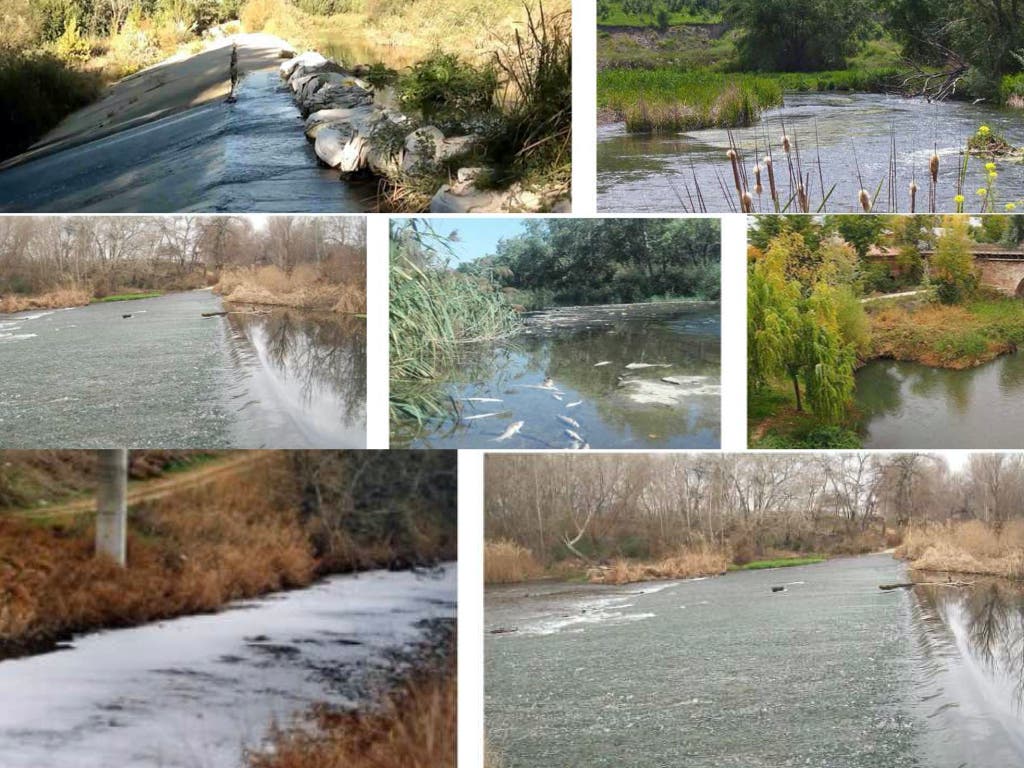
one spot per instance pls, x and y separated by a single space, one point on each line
168 377
246 157
195 692
724 672
611 405
909 405
656 173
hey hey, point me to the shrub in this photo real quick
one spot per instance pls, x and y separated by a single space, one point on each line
256 13
444 88
507 562
71 46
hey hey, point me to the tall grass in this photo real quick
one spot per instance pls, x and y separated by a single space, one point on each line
969 547
674 100
435 315
64 297
685 564
306 286
413 727
506 562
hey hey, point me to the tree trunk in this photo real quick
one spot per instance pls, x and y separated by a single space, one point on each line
112 504
796 391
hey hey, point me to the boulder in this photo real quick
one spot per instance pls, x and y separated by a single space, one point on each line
464 197
328 67
469 174
309 58
335 96
457 145
361 118
422 147
330 145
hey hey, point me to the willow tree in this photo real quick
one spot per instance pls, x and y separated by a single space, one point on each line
952 266
796 333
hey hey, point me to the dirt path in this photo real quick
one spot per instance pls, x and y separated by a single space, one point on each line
173 85
150 490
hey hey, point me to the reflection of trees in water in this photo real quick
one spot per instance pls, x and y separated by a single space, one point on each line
324 353
1011 373
992 615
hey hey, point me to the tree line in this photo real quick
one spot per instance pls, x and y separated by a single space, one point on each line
103 254
604 506
603 261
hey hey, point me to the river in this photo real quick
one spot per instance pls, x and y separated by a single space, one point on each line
246 157
587 353
724 672
198 691
168 377
655 173
909 405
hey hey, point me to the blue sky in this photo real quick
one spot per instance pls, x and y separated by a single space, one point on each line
478 237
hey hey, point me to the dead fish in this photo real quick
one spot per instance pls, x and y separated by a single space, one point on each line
566 420
603 362
482 399
510 430
481 416
575 436
573 405
549 382
638 366
682 380
556 396
546 389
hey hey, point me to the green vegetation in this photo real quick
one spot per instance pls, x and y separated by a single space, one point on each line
660 13
779 562
671 100
808 327
435 314
605 261
128 297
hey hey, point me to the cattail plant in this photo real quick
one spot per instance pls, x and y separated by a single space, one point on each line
771 181
865 200
758 189
913 197
933 170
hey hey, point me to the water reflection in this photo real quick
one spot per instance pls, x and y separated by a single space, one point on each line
971 640
307 370
620 376
909 405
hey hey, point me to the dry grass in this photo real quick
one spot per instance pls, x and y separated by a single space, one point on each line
189 553
305 287
686 564
970 547
58 299
415 727
506 562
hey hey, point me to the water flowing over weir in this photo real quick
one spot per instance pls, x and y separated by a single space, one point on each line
197 691
830 671
168 377
639 172
249 156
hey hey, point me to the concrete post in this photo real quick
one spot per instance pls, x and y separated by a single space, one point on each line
112 504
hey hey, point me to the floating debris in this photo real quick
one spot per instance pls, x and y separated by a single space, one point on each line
573 405
603 362
640 366
510 430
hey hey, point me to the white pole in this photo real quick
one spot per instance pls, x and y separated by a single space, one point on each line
112 505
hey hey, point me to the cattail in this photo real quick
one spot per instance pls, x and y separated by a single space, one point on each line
757 179
747 202
735 161
801 196
933 167
865 201
771 181
913 196
785 143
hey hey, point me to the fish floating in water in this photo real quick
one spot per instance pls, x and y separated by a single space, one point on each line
566 420
556 396
603 362
510 430
545 388
481 416
639 366
573 405
683 380
482 399
575 437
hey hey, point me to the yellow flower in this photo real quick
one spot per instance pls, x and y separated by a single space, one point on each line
990 167
982 191
1011 206
983 131
958 199
992 175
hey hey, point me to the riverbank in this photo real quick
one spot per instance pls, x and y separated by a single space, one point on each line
411 724
213 538
968 548
305 287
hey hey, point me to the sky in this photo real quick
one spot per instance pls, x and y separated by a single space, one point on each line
478 237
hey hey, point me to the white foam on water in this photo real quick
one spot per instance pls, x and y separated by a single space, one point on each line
12 337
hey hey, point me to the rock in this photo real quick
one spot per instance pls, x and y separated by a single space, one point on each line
309 58
286 53
465 198
326 68
330 145
469 174
332 96
361 119
384 162
457 145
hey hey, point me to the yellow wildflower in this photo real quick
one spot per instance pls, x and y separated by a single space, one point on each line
1011 206
984 131
982 191
958 199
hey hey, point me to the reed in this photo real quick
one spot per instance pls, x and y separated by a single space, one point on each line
969 547
506 562
686 564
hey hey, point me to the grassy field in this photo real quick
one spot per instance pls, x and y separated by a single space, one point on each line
617 16
671 100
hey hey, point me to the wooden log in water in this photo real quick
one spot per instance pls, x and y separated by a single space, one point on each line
213 314
902 585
